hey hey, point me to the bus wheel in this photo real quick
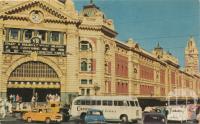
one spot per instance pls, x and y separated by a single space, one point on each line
82 116
124 119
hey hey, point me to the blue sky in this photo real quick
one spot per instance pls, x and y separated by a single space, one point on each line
169 22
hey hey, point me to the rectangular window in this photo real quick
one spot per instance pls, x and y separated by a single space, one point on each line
93 102
110 103
88 91
14 34
87 102
82 91
28 35
90 81
55 36
83 81
82 102
105 102
42 35
132 103
98 102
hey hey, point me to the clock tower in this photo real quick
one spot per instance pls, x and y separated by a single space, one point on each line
191 57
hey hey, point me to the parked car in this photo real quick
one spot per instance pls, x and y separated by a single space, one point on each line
94 116
42 115
153 118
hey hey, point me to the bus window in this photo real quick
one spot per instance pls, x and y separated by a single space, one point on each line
98 102
87 102
136 103
115 103
120 103
105 102
93 102
77 102
125 103
110 103
132 103
82 102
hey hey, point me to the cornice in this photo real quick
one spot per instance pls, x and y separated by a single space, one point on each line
62 17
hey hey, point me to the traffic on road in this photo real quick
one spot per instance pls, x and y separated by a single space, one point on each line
98 110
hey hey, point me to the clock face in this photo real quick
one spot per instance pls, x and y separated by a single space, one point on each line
36 16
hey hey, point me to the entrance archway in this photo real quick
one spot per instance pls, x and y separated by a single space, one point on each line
33 77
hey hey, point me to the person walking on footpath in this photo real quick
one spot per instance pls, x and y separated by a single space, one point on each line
3 108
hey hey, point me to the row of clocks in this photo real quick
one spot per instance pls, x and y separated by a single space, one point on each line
36 16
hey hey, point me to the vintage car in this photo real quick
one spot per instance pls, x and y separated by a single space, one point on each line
94 116
153 118
43 115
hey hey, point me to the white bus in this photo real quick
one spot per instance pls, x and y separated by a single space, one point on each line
115 108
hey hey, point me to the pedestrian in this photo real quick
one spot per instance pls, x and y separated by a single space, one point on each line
33 101
10 106
3 108
14 98
17 98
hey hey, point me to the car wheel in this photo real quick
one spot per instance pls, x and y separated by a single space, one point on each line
48 120
29 120
124 119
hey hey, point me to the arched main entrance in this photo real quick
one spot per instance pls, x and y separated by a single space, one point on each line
33 77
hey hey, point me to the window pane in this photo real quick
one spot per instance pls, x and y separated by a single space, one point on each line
105 102
28 34
93 102
42 35
83 81
132 103
87 102
82 91
90 81
55 36
116 103
83 66
98 102
88 91
120 103
110 103
82 102
78 102
14 34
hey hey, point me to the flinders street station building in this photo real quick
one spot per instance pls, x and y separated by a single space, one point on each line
47 47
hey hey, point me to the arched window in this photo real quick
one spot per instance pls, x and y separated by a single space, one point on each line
85 46
84 66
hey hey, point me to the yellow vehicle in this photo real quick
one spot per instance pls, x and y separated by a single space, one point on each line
43 115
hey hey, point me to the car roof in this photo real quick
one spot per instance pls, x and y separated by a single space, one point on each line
153 113
94 110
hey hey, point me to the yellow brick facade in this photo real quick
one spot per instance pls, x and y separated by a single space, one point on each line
112 67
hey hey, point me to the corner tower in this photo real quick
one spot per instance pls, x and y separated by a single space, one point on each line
191 57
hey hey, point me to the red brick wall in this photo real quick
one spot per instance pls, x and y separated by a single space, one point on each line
121 88
121 66
173 77
180 81
146 90
94 65
162 91
162 76
146 72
